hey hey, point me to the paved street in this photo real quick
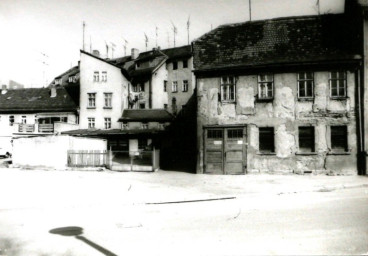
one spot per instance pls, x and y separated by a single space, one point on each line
166 213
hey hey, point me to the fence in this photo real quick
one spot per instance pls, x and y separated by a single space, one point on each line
114 160
88 158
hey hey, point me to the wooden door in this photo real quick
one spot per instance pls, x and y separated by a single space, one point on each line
234 150
213 155
225 150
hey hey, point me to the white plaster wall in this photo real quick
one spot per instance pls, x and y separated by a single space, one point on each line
159 97
116 84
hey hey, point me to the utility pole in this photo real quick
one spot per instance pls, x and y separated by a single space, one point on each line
44 64
84 26
146 40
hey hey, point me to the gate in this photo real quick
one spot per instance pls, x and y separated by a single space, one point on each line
132 160
225 150
88 158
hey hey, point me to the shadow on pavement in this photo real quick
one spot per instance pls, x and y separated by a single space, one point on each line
77 233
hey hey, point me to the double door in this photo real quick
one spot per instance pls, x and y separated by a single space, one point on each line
225 150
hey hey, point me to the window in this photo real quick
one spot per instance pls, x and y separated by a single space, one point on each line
235 134
64 119
107 122
165 86
305 85
91 100
58 81
11 120
175 86
135 88
265 86
24 120
185 63
141 87
228 89
142 143
108 100
266 140
306 139
175 65
214 134
339 138
104 76
165 106
142 105
91 122
185 85
144 125
125 126
96 76
338 84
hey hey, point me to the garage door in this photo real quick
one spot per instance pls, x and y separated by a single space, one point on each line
225 150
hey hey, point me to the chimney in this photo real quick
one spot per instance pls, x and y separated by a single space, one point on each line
53 92
135 53
96 53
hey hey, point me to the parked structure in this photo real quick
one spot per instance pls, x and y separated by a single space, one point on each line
281 95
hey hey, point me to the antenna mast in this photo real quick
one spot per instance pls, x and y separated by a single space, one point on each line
84 25
250 10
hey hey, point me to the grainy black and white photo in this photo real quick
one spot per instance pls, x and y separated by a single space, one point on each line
183 127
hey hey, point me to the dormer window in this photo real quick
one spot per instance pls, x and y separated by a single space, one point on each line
144 125
58 81
125 126
265 86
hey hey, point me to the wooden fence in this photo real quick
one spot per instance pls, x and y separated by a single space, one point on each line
88 158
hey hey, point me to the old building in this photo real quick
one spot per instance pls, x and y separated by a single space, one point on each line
280 95
37 111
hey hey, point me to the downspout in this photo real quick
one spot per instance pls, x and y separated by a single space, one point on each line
361 158
150 93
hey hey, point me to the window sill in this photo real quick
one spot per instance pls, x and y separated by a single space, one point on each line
228 102
91 107
264 99
338 153
267 153
306 99
339 98
107 107
306 153
174 91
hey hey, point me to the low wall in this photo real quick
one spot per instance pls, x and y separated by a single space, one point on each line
50 151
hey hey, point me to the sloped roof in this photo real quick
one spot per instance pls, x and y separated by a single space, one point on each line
275 41
74 71
178 52
33 100
100 132
145 115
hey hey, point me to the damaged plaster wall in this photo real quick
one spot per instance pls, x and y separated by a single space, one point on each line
285 113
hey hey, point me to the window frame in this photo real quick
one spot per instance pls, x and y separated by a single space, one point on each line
312 138
11 120
96 76
175 65
174 89
91 122
305 81
262 148
338 80
165 85
266 82
107 122
185 85
104 76
335 148
107 99
227 85
23 120
185 63
91 100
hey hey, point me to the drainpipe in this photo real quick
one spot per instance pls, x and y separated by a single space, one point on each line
150 93
359 76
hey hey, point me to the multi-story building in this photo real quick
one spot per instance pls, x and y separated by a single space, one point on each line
280 95
36 111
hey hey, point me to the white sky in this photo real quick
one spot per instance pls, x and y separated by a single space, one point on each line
29 28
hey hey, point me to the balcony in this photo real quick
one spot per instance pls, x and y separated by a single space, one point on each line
26 128
46 128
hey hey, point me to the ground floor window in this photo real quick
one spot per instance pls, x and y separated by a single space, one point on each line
107 122
306 139
266 140
142 143
339 138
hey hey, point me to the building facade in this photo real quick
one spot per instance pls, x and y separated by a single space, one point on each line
279 96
